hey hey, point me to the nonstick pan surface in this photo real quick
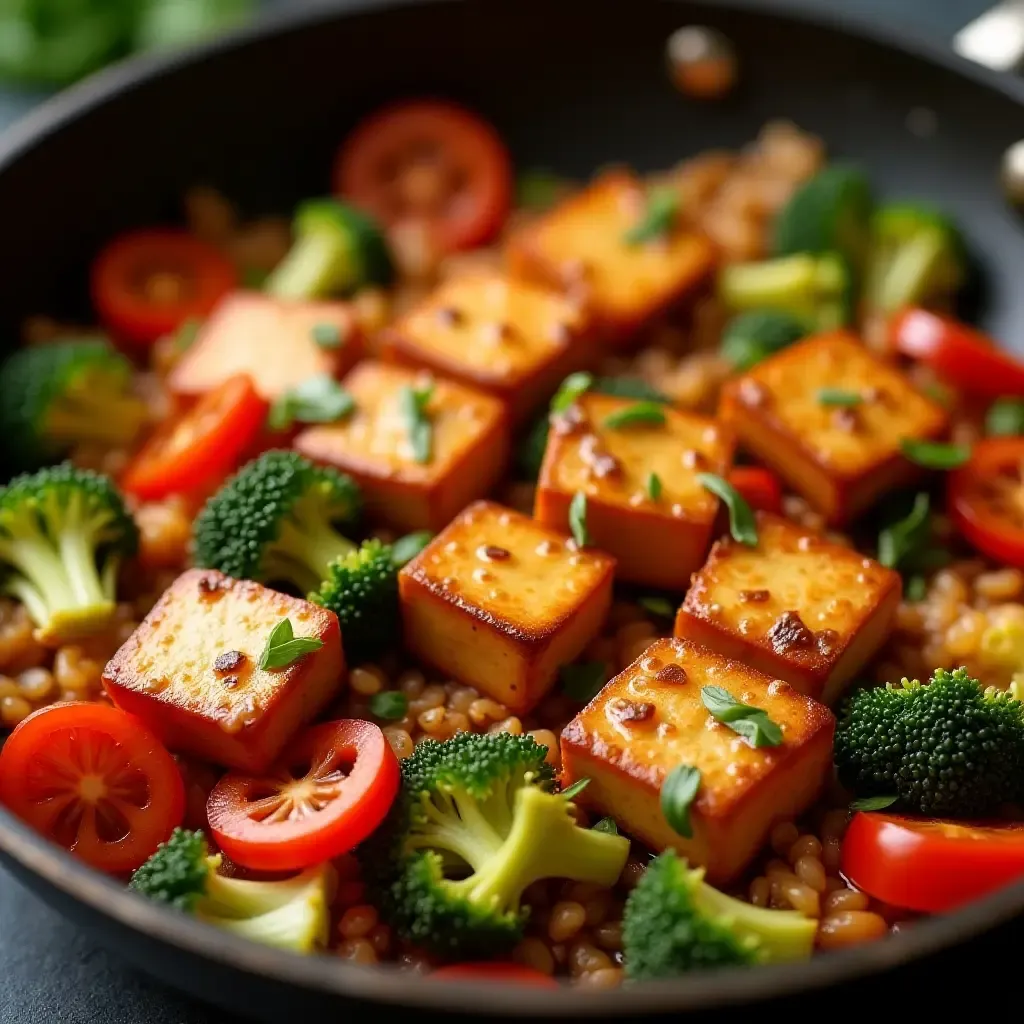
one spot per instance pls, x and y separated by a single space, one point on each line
572 85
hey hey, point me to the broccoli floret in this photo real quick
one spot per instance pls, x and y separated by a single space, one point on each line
293 913
273 521
751 337
55 396
816 289
475 823
362 590
63 535
675 922
947 748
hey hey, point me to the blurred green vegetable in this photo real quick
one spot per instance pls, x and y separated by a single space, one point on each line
164 24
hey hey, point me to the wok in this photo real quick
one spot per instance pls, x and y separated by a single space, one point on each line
572 84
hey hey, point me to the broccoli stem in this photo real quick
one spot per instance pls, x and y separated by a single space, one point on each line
902 277
95 414
43 584
308 547
319 264
459 827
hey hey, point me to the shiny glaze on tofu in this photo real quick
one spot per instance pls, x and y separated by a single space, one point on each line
470 445
270 340
190 671
656 541
841 459
581 247
513 339
796 607
501 602
649 719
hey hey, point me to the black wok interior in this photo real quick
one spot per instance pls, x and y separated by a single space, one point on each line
572 85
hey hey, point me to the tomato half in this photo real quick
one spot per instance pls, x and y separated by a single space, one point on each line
759 487
430 163
95 780
958 353
929 865
329 791
201 446
498 971
145 284
985 498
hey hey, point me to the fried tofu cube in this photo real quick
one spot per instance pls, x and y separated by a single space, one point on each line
278 343
501 602
508 337
469 441
796 607
191 670
659 535
583 247
841 458
650 719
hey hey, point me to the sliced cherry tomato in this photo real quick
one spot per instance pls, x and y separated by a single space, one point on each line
201 446
95 780
499 971
145 284
985 498
929 865
958 353
760 487
432 164
328 792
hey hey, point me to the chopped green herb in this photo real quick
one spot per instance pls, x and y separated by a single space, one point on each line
406 548
186 334
1005 418
606 825
570 390
653 486
752 336
659 217
327 336
319 399
933 454
907 536
539 190
753 724
839 397
413 404
916 588
660 606
389 705
873 803
678 792
742 524
578 519
583 681
576 788
284 647
648 414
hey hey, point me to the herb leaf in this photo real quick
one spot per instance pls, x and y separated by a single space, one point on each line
412 403
648 414
653 486
406 548
678 792
327 336
660 606
389 705
753 724
539 189
284 647
186 334
575 789
606 825
318 399
916 588
838 397
584 680
873 803
906 536
1005 418
742 524
658 219
934 455
578 519
570 390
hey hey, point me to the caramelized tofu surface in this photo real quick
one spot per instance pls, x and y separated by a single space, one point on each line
501 602
191 670
841 459
582 246
656 540
511 338
272 341
469 445
795 607
649 719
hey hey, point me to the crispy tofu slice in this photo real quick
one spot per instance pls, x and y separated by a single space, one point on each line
501 602
841 459
508 337
278 344
659 534
649 719
795 607
190 671
581 246
469 445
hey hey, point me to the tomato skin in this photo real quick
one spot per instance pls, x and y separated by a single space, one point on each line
41 762
927 865
760 487
496 971
364 170
200 447
122 269
354 807
959 354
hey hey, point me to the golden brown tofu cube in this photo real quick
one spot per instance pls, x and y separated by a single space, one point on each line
191 670
468 449
650 719
796 607
508 337
582 246
656 540
501 602
278 344
840 458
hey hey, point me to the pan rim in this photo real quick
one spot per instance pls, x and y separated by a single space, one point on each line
31 854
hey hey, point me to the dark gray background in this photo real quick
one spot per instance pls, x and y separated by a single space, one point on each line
51 972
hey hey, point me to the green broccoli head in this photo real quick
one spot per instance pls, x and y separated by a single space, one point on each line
362 590
274 521
63 535
674 923
474 825
293 913
949 748
55 396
